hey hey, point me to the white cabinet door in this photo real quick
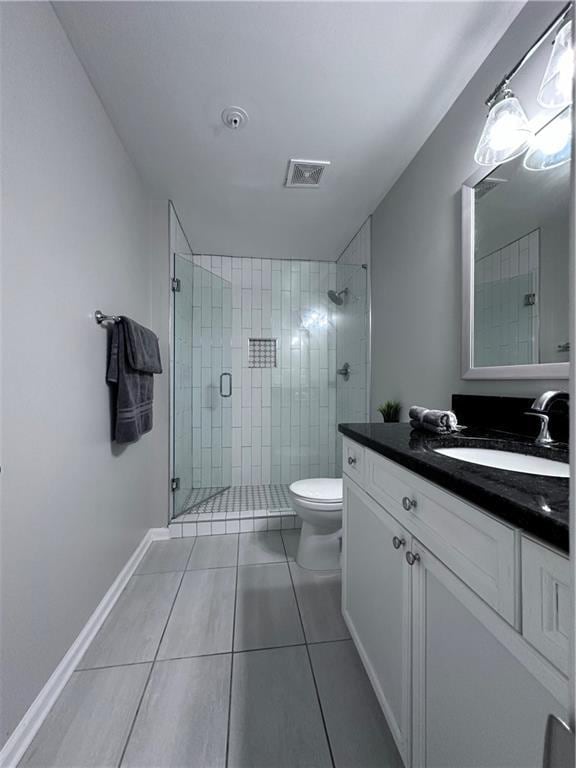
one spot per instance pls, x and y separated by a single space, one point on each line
546 613
376 604
481 694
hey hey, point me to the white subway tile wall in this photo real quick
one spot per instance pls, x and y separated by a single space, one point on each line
505 322
282 419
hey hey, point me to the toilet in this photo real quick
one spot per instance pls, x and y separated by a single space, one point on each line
318 501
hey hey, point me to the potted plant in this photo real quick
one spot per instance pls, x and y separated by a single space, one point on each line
390 411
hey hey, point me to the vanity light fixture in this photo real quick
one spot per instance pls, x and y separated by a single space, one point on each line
552 146
556 88
507 133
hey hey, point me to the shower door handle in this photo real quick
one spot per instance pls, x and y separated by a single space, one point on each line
229 385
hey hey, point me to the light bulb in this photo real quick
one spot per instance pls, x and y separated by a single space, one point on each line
556 88
552 146
506 133
502 133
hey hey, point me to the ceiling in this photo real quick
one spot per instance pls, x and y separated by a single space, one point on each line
361 84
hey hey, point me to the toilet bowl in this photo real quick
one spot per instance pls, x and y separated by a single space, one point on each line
318 501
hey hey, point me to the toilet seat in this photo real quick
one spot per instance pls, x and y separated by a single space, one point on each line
319 491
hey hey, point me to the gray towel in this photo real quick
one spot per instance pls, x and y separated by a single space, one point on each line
445 419
134 389
437 430
440 418
416 412
142 348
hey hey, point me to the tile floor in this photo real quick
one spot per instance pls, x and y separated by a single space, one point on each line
221 652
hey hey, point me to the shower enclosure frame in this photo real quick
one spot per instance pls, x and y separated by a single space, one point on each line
173 253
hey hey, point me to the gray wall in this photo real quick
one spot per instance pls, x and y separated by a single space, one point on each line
75 237
416 275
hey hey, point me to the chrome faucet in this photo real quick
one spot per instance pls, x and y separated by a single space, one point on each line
540 408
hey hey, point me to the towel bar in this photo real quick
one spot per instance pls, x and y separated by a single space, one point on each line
100 317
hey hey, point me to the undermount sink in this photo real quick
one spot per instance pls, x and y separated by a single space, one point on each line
514 462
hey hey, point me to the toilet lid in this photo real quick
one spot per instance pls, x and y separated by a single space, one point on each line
319 488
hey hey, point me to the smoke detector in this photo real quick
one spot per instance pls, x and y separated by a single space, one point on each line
305 173
234 117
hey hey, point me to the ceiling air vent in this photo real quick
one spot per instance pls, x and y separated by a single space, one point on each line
305 173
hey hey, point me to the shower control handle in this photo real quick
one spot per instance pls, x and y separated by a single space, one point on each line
229 385
344 371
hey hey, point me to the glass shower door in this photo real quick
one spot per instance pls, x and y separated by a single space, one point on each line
352 348
202 376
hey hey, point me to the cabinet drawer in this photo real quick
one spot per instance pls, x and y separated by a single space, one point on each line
546 615
477 548
353 460
391 485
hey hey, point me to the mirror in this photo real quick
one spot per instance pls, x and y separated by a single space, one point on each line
516 257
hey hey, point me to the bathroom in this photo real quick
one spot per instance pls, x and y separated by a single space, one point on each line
297 233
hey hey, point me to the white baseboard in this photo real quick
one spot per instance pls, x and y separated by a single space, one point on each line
159 534
27 728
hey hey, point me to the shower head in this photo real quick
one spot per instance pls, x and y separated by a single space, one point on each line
338 297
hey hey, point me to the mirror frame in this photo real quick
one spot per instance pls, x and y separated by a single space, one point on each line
469 371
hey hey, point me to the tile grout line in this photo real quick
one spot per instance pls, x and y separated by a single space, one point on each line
175 570
219 653
309 657
146 684
232 655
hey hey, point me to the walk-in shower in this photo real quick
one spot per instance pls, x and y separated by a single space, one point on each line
256 396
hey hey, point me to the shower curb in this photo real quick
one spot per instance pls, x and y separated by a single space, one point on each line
256 523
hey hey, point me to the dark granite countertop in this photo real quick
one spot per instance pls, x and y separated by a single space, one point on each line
534 503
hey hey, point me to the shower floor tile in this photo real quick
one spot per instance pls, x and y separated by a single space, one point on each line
238 501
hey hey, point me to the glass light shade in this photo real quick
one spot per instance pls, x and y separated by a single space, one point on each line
552 146
506 134
556 88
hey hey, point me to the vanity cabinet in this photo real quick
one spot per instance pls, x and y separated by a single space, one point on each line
432 598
